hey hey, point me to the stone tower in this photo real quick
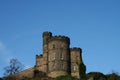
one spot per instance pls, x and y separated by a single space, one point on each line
42 60
76 56
46 37
58 58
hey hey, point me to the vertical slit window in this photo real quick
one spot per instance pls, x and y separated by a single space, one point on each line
74 68
53 46
61 56
61 66
54 56
66 57
54 65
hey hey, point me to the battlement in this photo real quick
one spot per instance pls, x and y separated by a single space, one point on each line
60 37
47 33
39 56
76 49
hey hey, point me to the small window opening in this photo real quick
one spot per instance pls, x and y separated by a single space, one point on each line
61 56
54 56
53 46
61 66
74 68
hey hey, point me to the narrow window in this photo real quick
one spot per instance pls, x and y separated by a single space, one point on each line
67 57
53 46
54 56
61 66
54 65
74 68
61 56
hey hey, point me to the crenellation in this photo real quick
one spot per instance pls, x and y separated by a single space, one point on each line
47 34
39 56
75 49
60 38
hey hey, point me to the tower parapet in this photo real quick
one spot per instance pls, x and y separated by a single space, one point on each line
76 49
61 38
38 61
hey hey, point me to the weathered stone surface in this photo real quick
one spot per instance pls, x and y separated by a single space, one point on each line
55 74
26 73
57 58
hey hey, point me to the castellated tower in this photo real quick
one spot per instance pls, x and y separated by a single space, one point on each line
75 54
42 60
58 58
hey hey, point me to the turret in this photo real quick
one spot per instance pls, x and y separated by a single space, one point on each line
78 68
39 60
46 37
58 56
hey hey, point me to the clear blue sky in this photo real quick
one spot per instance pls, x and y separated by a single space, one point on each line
93 25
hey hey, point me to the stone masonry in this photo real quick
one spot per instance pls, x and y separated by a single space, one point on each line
57 59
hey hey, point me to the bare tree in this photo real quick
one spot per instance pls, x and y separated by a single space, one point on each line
14 67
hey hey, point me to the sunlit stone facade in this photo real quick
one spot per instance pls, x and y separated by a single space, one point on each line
58 58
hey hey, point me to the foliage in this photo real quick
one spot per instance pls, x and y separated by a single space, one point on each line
93 75
101 76
82 70
113 76
96 75
1 79
14 67
68 77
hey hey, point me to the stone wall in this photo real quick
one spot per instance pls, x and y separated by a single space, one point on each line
26 73
75 57
55 74
75 74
